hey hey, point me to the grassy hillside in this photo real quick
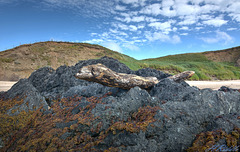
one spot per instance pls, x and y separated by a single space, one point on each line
21 61
205 68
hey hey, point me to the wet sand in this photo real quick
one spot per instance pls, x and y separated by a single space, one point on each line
215 85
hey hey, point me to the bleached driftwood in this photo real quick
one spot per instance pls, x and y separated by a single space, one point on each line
105 76
182 76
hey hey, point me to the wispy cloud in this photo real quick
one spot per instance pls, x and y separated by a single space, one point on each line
220 37
7 1
164 21
158 36
218 21
90 8
113 46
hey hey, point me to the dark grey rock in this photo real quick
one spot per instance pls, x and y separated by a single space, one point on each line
32 98
66 135
122 107
147 72
125 138
81 105
1 143
185 111
94 89
109 62
226 89
170 90
52 84
62 125
40 78
227 122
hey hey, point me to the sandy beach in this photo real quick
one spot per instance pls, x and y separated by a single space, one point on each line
215 85
6 85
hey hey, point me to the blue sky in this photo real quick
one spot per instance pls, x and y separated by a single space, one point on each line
138 28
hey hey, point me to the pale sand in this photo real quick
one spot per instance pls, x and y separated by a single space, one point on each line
215 85
6 85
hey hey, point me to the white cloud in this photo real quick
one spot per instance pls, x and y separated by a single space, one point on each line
138 19
184 34
174 29
175 39
235 16
122 33
151 19
129 19
156 17
125 27
162 37
220 37
157 36
112 46
167 3
90 8
153 9
120 26
131 47
198 28
6 1
134 3
183 9
217 22
120 8
141 26
113 31
165 27
129 1
94 41
232 29
184 28
188 20
234 7
94 34
133 28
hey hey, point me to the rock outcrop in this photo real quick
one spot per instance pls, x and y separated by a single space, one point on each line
92 117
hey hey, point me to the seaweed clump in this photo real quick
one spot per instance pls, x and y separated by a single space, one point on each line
217 140
70 126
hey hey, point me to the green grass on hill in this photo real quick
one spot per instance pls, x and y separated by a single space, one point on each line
205 69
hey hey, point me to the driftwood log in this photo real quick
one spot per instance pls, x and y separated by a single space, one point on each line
105 76
182 76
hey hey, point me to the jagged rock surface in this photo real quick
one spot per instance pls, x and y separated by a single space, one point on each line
32 97
184 112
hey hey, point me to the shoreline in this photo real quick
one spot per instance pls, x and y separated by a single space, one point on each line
215 85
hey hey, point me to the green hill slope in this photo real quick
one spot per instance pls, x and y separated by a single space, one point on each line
204 64
21 61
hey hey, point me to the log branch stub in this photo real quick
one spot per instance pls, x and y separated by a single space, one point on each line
105 76
182 76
